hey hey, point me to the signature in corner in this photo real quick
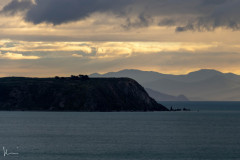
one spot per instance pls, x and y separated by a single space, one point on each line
5 152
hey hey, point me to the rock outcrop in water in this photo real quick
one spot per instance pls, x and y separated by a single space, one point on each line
74 94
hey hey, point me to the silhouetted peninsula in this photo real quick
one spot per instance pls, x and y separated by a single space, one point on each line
75 93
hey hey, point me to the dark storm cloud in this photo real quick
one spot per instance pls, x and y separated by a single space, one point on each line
198 15
63 11
225 14
16 6
141 21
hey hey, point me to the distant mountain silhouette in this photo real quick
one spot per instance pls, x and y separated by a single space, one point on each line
164 97
140 76
205 84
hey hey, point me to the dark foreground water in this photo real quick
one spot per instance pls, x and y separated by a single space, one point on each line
205 105
121 136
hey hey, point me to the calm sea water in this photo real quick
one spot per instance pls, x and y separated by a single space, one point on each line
205 106
193 135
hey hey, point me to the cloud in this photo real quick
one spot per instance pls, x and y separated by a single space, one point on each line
141 21
16 56
224 15
77 55
201 14
93 49
16 6
195 15
63 11
171 62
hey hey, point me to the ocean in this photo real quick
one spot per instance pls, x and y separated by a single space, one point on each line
205 105
211 131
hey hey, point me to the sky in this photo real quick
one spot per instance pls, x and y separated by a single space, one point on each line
64 37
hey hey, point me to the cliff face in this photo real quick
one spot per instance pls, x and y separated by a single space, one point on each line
95 94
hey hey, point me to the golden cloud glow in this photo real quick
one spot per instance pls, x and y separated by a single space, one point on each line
103 49
77 55
16 56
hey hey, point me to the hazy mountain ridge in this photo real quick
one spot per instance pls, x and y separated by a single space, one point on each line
140 76
75 94
165 97
205 84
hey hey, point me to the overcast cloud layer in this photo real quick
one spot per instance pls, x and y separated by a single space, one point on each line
199 15
46 37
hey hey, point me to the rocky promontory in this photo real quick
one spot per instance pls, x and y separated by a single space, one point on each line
75 94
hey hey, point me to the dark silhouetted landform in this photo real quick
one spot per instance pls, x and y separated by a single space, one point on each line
75 93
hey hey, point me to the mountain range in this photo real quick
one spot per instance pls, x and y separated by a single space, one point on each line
165 97
201 85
